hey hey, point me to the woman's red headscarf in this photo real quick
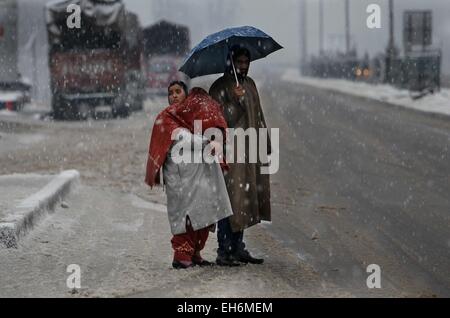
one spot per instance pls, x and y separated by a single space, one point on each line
197 106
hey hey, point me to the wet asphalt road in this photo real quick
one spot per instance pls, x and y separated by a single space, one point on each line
361 183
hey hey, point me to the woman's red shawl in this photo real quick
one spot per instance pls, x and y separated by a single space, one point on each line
197 106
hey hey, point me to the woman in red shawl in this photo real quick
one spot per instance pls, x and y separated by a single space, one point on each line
196 192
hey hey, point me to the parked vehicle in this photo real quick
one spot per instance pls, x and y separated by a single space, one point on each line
97 66
14 90
161 70
165 46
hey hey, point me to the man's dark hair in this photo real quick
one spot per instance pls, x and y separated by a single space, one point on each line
181 83
238 50
235 52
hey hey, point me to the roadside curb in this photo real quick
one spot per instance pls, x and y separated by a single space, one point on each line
28 213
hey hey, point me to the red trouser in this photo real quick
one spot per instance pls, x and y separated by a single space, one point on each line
188 245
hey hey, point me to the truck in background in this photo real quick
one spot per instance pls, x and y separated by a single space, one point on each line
96 67
14 90
165 46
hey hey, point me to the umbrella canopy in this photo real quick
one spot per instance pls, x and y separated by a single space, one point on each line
210 55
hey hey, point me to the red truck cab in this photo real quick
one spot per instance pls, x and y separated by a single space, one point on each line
96 67
161 71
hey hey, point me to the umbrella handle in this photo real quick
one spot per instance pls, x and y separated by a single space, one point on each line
234 71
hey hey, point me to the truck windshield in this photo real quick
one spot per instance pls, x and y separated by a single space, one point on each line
88 39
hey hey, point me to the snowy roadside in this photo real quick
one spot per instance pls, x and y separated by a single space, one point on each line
5 112
438 103
17 220
30 110
121 242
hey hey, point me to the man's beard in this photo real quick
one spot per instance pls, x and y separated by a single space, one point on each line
241 75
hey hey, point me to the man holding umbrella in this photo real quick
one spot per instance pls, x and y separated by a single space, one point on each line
248 189
230 52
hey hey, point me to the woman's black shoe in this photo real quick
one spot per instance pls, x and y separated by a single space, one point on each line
202 262
179 265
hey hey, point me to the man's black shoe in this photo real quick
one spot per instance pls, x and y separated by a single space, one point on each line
226 260
245 257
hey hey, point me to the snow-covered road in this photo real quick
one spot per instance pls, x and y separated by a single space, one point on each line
360 182
438 103
116 229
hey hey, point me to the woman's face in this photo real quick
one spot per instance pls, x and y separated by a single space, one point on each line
176 94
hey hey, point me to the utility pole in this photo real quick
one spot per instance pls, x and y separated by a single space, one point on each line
391 50
321 27
347 26
35 68
391 45
303 35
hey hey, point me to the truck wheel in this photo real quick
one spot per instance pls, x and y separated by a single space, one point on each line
139 105
83 111
58 108
121 112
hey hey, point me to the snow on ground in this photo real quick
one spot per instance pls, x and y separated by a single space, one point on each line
50 190
16 187
5 112
14 141
37 107
123 249
155 103
438 103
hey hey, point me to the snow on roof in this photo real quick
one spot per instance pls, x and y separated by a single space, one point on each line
9 96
